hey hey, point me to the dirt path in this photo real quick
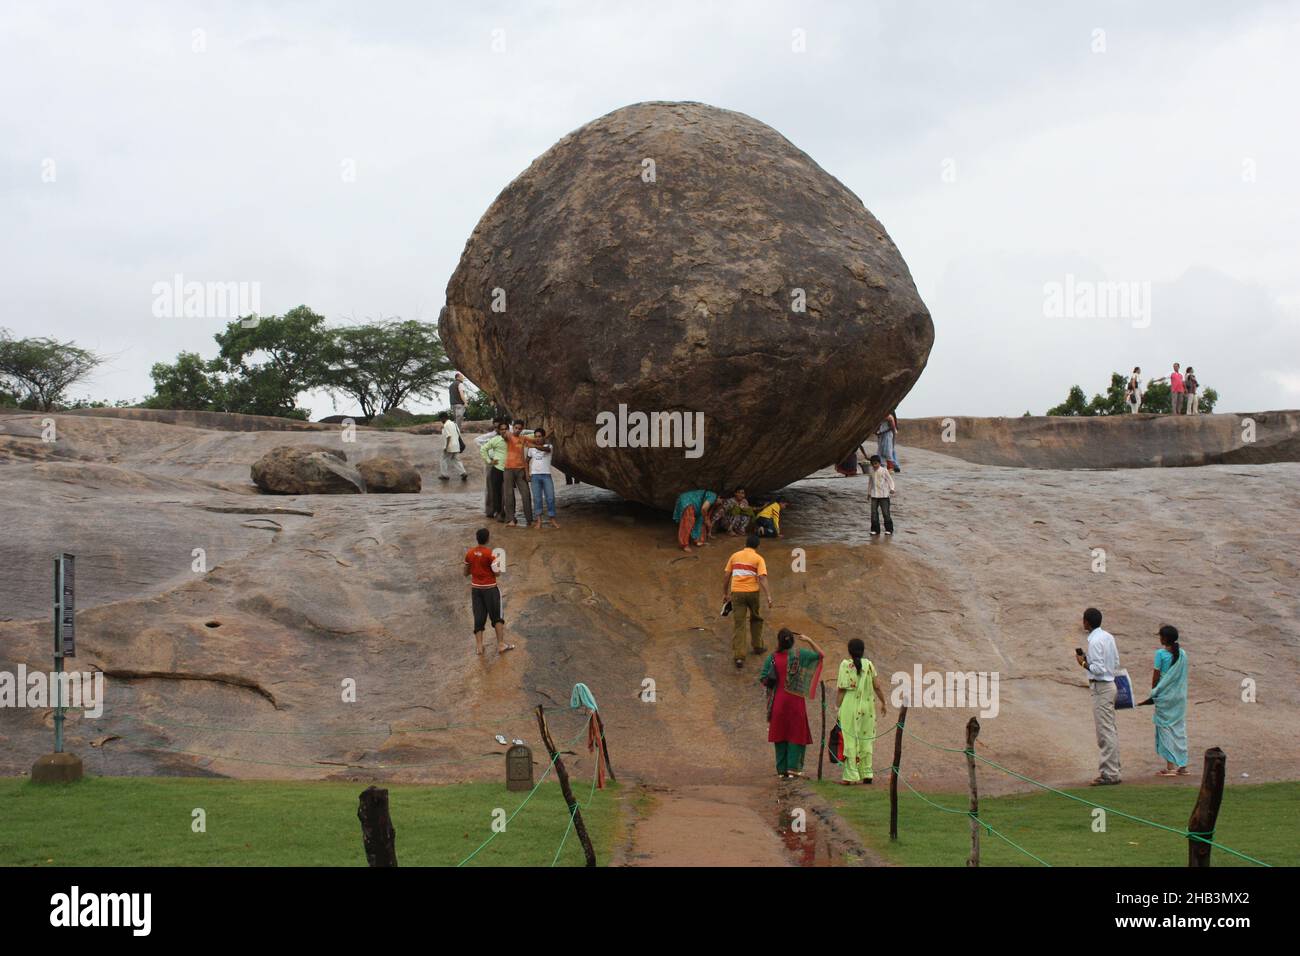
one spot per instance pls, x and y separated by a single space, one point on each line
708 826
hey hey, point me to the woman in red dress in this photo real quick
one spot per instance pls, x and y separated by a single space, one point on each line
792 676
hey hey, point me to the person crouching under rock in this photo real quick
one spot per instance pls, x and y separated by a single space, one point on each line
692 517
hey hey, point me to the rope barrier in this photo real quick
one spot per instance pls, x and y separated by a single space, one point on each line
1206 838
536 787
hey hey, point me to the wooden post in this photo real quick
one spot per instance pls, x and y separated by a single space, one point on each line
821 751
1206 812
973 731
893 774
604 747
377 827
563 776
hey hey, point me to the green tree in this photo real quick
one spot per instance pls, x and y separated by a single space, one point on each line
1076 403
480 407
1157 398
189 383
1206 401
1112 403
273 360
381 364
42 369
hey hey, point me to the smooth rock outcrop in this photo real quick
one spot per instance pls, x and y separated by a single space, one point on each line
389 476
682 259
306 470
1111 441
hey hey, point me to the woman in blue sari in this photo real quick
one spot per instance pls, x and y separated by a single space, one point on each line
1169 695
692 517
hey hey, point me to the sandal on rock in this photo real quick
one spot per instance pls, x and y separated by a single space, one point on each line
505 647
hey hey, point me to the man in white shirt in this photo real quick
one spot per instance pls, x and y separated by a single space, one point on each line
450 450
1102 662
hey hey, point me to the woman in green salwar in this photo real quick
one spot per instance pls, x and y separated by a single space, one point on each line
792 676
857 713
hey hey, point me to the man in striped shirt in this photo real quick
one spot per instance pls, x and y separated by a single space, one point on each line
745 576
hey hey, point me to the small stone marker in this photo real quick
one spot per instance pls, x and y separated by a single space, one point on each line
519 768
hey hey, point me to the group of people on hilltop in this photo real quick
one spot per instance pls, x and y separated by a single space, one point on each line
1183 391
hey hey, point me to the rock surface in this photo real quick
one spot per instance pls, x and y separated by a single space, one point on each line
307 470
744 283
1112 441
235 670
389 476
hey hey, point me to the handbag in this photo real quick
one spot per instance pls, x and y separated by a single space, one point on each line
1124 699
835 744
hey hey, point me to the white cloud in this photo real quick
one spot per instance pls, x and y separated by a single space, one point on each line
225 164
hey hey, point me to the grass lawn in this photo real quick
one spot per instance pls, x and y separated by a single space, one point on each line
1258 820
146 821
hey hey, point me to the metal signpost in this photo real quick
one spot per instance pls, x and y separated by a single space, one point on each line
60 767
65 634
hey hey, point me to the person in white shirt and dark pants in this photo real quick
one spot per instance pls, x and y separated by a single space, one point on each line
451 448
1102 662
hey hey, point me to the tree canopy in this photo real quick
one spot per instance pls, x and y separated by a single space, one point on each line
41 370
384 363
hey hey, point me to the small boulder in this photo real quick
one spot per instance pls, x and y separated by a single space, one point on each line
306 470
394 476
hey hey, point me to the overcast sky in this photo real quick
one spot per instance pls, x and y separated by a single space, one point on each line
1004 146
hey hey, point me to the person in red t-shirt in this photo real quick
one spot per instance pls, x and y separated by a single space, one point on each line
485 596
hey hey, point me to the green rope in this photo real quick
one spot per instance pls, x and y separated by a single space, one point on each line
1001 837
1186 834
524 803
931 802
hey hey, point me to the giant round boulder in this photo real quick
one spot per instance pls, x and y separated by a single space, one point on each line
684 299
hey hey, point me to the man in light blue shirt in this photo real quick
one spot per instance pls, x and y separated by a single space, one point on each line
1102 662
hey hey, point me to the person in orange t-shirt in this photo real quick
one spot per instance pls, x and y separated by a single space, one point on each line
745 576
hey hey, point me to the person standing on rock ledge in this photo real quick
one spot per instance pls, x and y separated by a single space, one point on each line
452 446
1177 390
1102 662
1134 391
880 485
485 595
456 399
886 441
